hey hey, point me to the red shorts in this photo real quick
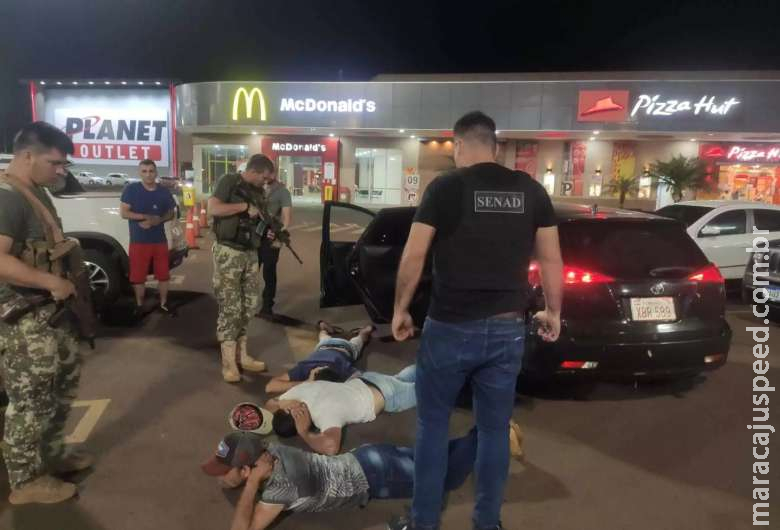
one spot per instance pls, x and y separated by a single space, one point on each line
142 255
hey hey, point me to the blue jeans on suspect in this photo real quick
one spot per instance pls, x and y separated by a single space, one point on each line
398 389
488 352
389 469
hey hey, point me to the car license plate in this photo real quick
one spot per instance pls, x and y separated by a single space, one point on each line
774 294
653 309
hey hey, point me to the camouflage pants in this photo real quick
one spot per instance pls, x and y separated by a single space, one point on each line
237 289
40 369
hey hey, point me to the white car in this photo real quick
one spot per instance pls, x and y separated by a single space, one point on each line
116 179
87 178
724 229
93 218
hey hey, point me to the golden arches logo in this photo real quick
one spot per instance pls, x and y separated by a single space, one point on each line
249 100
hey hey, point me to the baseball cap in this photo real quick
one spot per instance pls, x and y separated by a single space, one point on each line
248 417
237 449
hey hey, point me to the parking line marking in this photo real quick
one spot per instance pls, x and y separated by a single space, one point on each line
314 228
95 409
298 226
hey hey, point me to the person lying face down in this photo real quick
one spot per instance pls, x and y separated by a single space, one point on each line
329 406
279 478
334 356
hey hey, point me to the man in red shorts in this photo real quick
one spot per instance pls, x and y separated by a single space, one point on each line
148 206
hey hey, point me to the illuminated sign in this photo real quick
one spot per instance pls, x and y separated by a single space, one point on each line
249 100
603 105
707 105
322 105
741 153
298 148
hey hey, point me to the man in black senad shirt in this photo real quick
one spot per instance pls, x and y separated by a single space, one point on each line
482 222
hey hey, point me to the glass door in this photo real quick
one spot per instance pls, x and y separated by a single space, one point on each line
218 160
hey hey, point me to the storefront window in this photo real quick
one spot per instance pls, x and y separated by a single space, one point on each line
378 175
303 176
219 160
747 182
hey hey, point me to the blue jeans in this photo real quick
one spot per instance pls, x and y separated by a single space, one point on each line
398 389
353 348
489 352
389 469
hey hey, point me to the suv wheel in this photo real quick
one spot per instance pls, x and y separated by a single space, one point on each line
104 277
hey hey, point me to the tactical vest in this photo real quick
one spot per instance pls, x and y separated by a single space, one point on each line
239 231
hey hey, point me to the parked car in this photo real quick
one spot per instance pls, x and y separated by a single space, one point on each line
771 276
87 178
116 179
93 218
640 298
724 229
171 183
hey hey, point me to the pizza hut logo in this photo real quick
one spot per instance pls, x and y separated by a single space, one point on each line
603 105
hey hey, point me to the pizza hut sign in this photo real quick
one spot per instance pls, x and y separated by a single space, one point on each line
742 153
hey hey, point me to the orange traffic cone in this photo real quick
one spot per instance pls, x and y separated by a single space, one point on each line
190 233
204 222
195 220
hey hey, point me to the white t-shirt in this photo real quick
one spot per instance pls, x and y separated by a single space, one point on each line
335 404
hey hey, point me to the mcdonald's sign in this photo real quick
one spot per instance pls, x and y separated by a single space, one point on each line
248 97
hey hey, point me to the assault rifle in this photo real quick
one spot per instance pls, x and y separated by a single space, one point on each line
268 222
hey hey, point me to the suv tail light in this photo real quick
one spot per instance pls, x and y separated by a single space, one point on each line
709 274
571 275
577 276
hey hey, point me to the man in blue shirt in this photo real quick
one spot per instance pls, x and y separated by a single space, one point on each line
147 206
333 359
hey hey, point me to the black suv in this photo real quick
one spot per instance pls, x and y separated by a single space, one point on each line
640 297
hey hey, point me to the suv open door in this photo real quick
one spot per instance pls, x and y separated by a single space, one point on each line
342 226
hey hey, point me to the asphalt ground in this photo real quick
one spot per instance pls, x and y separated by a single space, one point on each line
152 406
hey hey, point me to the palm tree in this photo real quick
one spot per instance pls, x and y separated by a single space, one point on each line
622 185
680 174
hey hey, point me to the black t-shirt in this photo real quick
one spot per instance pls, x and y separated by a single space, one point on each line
485 218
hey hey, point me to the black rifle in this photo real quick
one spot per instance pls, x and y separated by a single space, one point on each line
268 222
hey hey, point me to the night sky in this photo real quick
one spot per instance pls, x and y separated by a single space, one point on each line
198 40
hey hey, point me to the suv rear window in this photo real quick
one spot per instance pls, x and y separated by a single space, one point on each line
630 249
687 215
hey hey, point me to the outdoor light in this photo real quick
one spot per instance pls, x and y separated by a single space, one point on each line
140 82
412 136
43 82
401 131
693 139
106 82
254 132
596 132
124 82
75 82
91 83
59 82
498 132
592 138
331 135
157 83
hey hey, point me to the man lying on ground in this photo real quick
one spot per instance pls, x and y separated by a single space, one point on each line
336 355
329 406
279 478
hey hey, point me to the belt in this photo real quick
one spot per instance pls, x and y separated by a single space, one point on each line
509 316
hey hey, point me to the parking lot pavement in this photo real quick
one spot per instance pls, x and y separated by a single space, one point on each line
617 456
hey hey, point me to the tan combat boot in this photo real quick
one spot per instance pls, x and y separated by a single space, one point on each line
515 441
229 369
245 360
44 490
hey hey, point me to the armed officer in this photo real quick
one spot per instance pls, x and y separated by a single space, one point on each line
236 271
40 362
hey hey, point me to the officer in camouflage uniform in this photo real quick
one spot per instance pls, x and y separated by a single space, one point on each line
236 272
40 363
